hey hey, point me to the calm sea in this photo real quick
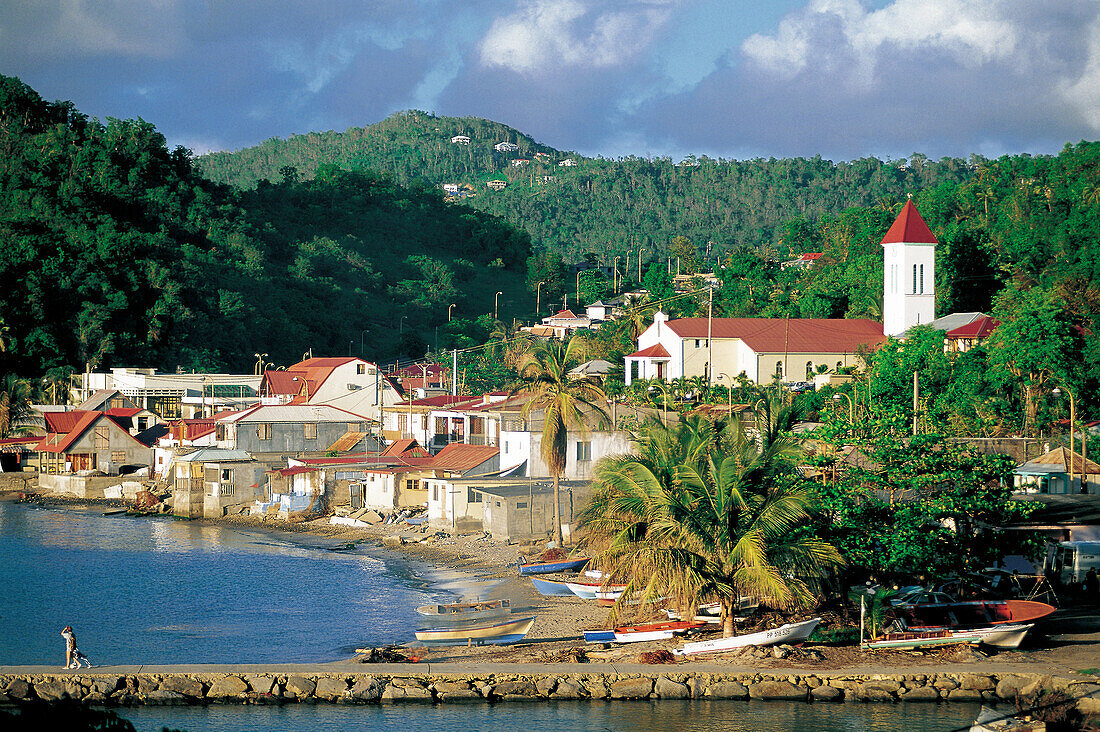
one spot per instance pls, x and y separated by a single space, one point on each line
160 591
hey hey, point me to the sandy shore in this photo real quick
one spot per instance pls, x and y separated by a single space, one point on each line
1067 642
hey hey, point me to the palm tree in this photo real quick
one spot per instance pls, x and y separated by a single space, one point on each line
565 402
718 521
15 406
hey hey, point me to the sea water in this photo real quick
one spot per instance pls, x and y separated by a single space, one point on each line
159 591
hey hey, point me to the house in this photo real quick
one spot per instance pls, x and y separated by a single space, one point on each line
605 309
423 377
802 261
523 510
473 421
691 282
460 140
274 431
294 489
506 147
520 162
497 185
1050 474
91 441
597 369
759 348
521 441
17 453
209 482
171 396
963 331
347 383
450 188
413 419
568 163
564 322
405 482
542 157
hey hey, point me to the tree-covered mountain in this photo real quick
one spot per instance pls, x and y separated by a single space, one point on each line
603 206
114 251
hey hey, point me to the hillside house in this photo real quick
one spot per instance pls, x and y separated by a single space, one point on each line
347 383
460 140
568 163
602 310
520 162
506 147
1050 474
802 261
497 185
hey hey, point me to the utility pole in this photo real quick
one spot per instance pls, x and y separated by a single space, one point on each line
710 340
454 373
916 397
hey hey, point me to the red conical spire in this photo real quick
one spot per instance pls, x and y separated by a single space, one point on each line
909 228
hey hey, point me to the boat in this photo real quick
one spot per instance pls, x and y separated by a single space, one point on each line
930 639
464 611
995 720
415 520
552 588
789 633
561 565
996 636
639 633
711 612
588 590
971 613
508 631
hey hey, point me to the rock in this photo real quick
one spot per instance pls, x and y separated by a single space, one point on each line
164 698
567 689
455 691
299 687
185 685
726 690
106 684
920 693
595 688
784 690
406 693
227 687
964 695
544 685
632 688
50 690
18 689
261 684
392 542
366 688
826 693
977 683
147 684
523 689
780 652
331 688
1013 685
944 683
668 689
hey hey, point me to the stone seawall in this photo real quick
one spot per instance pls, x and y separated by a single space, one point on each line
363 688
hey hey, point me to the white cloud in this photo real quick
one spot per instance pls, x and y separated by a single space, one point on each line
1084 91
546 34
970 31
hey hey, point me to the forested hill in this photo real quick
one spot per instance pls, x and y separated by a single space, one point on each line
599 205
116 253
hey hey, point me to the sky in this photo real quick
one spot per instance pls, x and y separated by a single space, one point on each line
843 79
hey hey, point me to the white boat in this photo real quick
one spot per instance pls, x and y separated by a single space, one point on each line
789 633
590 590
463 611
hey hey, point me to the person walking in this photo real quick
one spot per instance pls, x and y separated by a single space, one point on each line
1092 585
73 656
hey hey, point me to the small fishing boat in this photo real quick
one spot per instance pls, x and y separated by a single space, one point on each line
711 612
996 636
588 590
573 564
789 633
508 631
552 588
639 633
465 611
930 639
971 614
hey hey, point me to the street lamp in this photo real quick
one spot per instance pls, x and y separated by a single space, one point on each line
615 275
401 324
538 297
496 299
260 363
729 390
449 311
1072 418
851 406
363 342
304 383
640 250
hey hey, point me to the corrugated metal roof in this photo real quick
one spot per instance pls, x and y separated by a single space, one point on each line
295 413
459 456
214 455
347 441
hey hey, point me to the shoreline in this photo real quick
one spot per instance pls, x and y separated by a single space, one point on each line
448 564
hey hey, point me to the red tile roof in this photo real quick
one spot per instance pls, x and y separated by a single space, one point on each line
790 335
440 400
406 447
59 444
909 228
654 351
123 411
63 422
978 328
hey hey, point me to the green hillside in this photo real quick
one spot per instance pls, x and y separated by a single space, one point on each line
607 207
117 253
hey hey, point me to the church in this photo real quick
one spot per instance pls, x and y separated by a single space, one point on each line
794 348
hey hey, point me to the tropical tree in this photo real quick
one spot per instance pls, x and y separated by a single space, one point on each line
15 406
567 402
701 516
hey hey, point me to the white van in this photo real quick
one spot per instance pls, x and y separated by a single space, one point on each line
1069 561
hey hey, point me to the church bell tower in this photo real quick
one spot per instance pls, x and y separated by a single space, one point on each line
909 273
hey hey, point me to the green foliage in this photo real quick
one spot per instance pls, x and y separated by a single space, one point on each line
915 504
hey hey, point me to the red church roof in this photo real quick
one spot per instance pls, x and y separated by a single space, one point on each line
778 335
909 228
654 351
979 328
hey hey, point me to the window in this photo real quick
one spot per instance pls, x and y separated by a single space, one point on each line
102 437
839 365
360 368
412 485
922 279
219 432
779 369
472 496
310 431
584 452
118 456
263 432
227 474
435 493
914 279
809 370
521 504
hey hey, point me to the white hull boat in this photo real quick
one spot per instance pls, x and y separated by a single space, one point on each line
789 633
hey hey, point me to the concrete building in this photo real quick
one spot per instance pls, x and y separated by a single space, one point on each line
294 429
171 396
909 279
347 383
210 483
